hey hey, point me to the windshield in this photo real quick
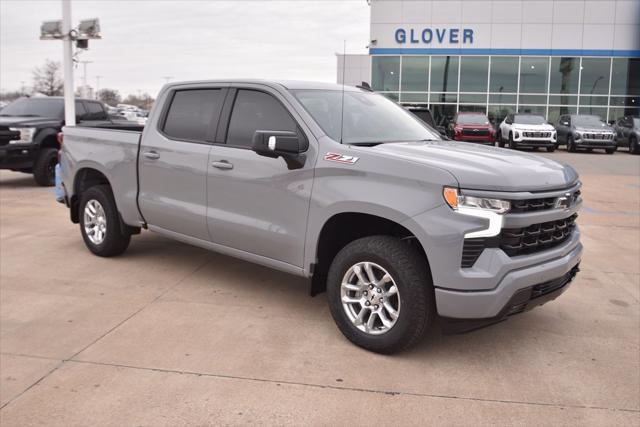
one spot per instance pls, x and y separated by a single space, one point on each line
34 107
593 121
528 119
472 119
368 117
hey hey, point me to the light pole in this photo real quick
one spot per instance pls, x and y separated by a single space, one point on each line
84 71
97 85
67 50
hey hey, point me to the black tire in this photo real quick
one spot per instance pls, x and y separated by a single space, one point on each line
610 150
499 139
45 166
634 148
512 144
116 240
571 144
415 292
551 149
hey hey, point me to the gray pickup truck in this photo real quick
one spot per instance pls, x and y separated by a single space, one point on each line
339 185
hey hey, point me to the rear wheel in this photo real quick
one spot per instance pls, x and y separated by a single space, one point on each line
45 167
100 223
380 293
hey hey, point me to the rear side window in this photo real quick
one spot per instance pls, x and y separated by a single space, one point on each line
254 111
193 114
96 111
80 111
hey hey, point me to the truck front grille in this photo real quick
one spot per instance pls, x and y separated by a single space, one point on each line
476 132
537 237
536 134
532 205
601 136
520 241
7 135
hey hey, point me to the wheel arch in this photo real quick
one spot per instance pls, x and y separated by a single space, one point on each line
341 228
85 178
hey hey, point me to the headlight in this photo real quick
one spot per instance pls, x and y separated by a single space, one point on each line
26 135
480 207
457 201
578 135
516 134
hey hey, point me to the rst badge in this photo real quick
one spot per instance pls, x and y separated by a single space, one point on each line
340 158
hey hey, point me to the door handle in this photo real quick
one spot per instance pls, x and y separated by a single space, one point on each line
151 155
222 164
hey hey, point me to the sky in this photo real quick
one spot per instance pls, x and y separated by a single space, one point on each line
146 40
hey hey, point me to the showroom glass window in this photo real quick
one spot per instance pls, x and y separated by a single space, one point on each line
564 75
385 71
190 116
534 73
625 76
473 73
444 73
595 76
504 75
415 73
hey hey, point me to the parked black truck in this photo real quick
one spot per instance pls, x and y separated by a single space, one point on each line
29 129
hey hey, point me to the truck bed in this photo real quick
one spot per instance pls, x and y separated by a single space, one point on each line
111 150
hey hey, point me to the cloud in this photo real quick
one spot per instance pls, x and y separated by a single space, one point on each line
143 41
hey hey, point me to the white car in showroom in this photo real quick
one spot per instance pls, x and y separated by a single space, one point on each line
527 130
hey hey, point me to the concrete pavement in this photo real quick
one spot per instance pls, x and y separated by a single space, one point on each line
169 334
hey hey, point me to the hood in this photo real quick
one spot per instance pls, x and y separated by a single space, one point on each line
476 126
11 121
523 126
600 129
485 168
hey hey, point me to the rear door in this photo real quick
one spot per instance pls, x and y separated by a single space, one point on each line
257 204
174 161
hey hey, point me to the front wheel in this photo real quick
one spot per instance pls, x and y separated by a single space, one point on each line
571 144
551 149
610 150
634 148
380 293
45 167
500 140
100 223
512 144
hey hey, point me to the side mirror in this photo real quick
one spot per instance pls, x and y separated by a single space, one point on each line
288 145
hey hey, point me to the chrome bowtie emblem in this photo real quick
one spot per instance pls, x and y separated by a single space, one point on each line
564 201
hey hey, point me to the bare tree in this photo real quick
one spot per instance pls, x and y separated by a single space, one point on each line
143 101
47 79
10 96
109 96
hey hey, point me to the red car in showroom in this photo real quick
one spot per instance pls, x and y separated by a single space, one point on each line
472 127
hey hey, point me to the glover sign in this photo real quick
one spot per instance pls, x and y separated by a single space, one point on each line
434 36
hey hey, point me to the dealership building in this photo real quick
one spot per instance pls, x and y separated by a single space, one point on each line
548 57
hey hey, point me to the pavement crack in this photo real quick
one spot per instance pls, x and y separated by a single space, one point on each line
354 389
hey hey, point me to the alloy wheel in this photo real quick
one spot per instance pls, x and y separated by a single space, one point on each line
95 222
370 298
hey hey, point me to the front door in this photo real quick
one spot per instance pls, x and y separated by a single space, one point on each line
174 162
256 203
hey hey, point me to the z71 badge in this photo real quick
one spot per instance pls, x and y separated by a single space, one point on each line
340 158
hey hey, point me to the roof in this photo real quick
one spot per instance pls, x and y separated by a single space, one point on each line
287 84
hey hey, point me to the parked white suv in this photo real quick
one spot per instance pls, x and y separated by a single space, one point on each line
527 130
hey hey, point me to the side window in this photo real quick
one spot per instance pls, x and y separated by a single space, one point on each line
81 113
254 111
193 114
96 111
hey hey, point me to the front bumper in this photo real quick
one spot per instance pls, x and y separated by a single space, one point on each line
522 300
535 142
495 303
595 143
16 157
